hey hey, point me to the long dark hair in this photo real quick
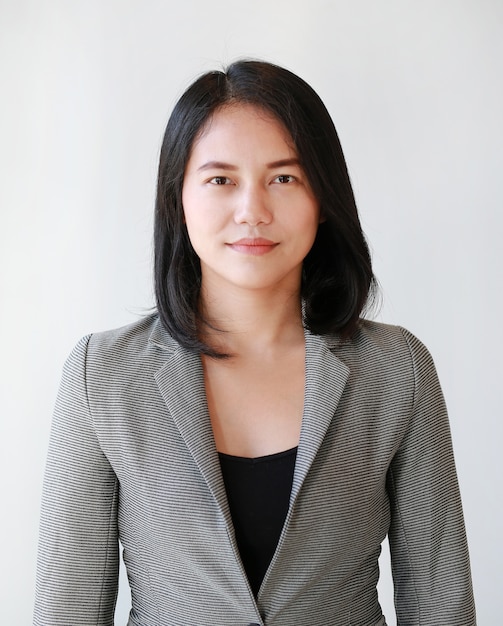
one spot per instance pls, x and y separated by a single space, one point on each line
337 275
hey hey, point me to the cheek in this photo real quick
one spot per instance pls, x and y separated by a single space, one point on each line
193 214
186 202
310 227
312 219
196 235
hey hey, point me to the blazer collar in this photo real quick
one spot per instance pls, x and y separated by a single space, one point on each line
181 383
326 377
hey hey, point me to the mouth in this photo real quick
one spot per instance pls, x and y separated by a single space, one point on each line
252 246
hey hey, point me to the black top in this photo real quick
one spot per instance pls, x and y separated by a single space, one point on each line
258 491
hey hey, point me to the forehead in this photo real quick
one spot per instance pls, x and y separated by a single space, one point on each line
243 125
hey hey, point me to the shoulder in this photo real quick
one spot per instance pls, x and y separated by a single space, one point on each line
376 337
133 338
129 347
385 348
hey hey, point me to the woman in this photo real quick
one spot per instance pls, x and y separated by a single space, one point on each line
252 443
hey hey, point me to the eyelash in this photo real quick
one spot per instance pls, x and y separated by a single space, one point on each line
220 178
226 180
292 178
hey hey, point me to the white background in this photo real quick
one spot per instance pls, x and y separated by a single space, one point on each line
415 89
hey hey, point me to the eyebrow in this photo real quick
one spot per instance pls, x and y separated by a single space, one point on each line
221 165
216 165
283 163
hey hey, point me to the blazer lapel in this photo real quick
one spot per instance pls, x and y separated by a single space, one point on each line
181 384
326 377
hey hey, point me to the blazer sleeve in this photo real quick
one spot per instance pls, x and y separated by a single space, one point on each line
78 559
429 553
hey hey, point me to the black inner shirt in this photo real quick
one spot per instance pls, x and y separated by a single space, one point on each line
258 491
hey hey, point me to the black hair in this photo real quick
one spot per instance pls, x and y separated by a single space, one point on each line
337 277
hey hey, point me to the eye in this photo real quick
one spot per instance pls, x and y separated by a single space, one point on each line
220 180
284 179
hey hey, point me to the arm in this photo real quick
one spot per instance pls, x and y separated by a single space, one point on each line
78 548
430 563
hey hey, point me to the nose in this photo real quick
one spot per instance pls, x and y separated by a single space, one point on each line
252 206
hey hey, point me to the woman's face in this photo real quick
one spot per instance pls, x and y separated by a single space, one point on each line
249 209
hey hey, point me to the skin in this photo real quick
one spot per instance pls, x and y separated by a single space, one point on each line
252 218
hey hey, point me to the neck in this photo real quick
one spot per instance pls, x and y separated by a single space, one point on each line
249 322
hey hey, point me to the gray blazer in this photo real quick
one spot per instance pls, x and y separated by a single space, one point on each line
132 457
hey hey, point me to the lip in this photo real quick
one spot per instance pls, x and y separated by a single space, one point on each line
255 246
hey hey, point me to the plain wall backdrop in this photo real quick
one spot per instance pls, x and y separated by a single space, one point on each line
415 90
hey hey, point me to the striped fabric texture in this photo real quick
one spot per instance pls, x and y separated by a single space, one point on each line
132 458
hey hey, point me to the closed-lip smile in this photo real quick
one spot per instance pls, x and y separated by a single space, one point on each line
255 246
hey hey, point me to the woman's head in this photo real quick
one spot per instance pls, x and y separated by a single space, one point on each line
337 274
